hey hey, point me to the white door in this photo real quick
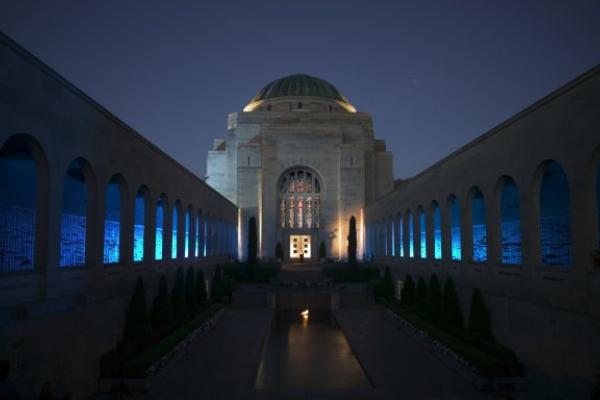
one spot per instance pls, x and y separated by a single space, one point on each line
299 244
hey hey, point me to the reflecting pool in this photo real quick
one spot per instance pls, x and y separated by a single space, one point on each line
308 353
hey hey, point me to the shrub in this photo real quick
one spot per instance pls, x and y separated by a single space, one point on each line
407 295
322 250
161 318
136 320
178 298
480 326
200 288
421 295
216 286
434 298
252 243
388 285
352 241
191 299
278 251
451 316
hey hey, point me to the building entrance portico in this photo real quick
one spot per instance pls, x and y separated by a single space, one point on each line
300 245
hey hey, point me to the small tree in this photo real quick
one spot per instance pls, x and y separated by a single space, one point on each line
421 295
136 329
252 243
161 316
178 298
216 287
480 325
191 299
451 317
352 241
387 285
322 250
407 295
278 251
434 299
200 288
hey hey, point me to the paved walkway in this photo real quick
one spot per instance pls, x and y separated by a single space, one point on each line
220 365
397 364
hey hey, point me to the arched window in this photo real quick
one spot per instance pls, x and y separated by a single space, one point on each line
17 206
112 222
160 221
139 224
197 240
186 230
175 224
478 226
400 235
555 219
393 238
437 231
73 221
299 199
411 237
422 233
510 222
455 241
206 235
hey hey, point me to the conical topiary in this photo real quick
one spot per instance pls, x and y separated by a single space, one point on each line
407 295
434 298
136 321
451 316
421 295
161 316
352 241
191 300
278 251
387 285
480 325
216 287
322 251
200 288
178 298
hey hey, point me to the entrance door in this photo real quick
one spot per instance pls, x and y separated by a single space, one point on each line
299 244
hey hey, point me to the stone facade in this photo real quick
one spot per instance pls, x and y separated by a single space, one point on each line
323 136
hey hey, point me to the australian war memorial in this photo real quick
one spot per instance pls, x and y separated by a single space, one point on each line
302 161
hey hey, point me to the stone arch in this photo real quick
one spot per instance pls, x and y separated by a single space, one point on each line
141 222
422 223
176 224
509 225
455 236
161 212
478 225
24 169
115 198
410 233
436 229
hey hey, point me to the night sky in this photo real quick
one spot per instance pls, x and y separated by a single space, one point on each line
434 74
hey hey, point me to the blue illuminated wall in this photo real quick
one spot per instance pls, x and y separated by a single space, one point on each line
510 224
112 223
205 235
158 246
186 239
197 241
411 237
401 236
437 232
455 240
17 210
423 233
174 233
555 220
479 233
393 239
139 227
73 217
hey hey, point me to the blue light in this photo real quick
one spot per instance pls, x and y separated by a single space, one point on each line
511 224
555 220
197 242
139 228
423 228
411 239
158 246
401 240
174 235
478 227
393 240
112 218
437 232
17 210
73 217
455 230
205 237
186 240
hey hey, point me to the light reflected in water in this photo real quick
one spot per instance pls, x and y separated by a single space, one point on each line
308 353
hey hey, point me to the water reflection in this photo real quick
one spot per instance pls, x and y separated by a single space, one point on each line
308 353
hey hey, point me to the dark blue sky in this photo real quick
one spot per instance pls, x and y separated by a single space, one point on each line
434 74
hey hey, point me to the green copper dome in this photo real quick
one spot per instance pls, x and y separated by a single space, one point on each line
299 85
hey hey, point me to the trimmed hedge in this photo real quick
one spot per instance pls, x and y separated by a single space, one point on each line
261 274
349 274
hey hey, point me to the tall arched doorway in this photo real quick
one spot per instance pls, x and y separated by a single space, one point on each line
300 200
